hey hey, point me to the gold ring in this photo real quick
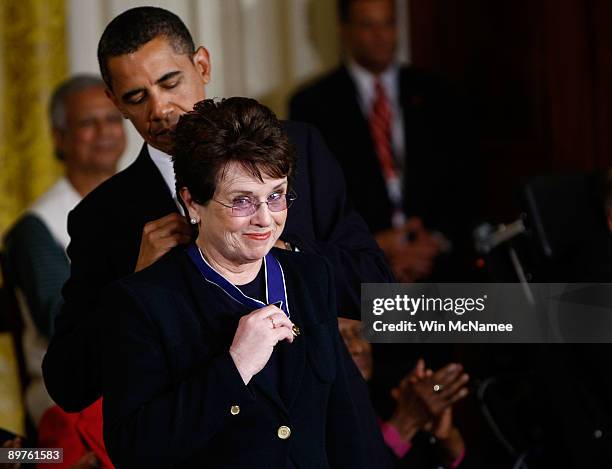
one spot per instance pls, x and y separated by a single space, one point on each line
295 330
272 321
437 387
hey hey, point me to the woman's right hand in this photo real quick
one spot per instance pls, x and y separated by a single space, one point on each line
257 334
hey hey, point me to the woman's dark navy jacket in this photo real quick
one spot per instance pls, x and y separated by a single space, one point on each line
174 398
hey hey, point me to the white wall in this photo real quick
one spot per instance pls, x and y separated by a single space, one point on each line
259 48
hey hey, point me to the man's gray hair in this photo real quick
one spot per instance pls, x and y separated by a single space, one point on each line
74 84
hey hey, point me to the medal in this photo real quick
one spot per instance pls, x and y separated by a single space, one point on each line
276 292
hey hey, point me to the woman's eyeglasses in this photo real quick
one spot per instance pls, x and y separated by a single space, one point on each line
246 206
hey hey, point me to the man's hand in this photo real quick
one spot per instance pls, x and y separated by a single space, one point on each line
411 250
257 334
415 260
160 236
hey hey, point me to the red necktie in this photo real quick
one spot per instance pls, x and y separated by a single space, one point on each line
380 127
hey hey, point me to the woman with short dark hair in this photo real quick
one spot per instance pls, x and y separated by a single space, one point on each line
226 353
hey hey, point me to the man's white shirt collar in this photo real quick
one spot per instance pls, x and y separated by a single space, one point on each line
364 80
164 164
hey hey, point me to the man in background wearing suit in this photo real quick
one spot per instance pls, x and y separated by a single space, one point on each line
394 132
154 74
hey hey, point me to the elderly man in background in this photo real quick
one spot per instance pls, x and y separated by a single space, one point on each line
89 138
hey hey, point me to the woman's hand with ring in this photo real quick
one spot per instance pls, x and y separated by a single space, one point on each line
257 334
442 388
423 396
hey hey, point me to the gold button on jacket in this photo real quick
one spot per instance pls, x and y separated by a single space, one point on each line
283 432
235 410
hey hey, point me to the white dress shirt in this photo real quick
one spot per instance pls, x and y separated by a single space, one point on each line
364 81
164 164
366 94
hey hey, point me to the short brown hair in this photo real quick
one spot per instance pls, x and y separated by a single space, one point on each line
237 130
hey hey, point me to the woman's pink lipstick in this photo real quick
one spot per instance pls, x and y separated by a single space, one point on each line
259 236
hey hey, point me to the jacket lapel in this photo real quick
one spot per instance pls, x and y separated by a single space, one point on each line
292 359
219 313
351 109
155 199
141 196
291 363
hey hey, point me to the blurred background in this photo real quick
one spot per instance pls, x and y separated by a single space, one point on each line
259 48
535 74
533 81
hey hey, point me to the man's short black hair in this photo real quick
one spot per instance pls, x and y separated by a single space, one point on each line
344 10
133 28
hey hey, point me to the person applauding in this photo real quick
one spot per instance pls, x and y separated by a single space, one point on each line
420 432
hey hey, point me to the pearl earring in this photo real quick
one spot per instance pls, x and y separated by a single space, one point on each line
193 221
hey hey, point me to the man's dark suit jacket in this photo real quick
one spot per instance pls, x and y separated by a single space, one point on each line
174 398
105 231
438 175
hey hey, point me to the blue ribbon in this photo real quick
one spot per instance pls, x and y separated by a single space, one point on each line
276 292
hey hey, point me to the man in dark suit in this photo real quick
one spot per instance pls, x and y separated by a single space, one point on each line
154 74
398 142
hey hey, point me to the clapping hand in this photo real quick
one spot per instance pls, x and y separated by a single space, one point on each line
423 397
